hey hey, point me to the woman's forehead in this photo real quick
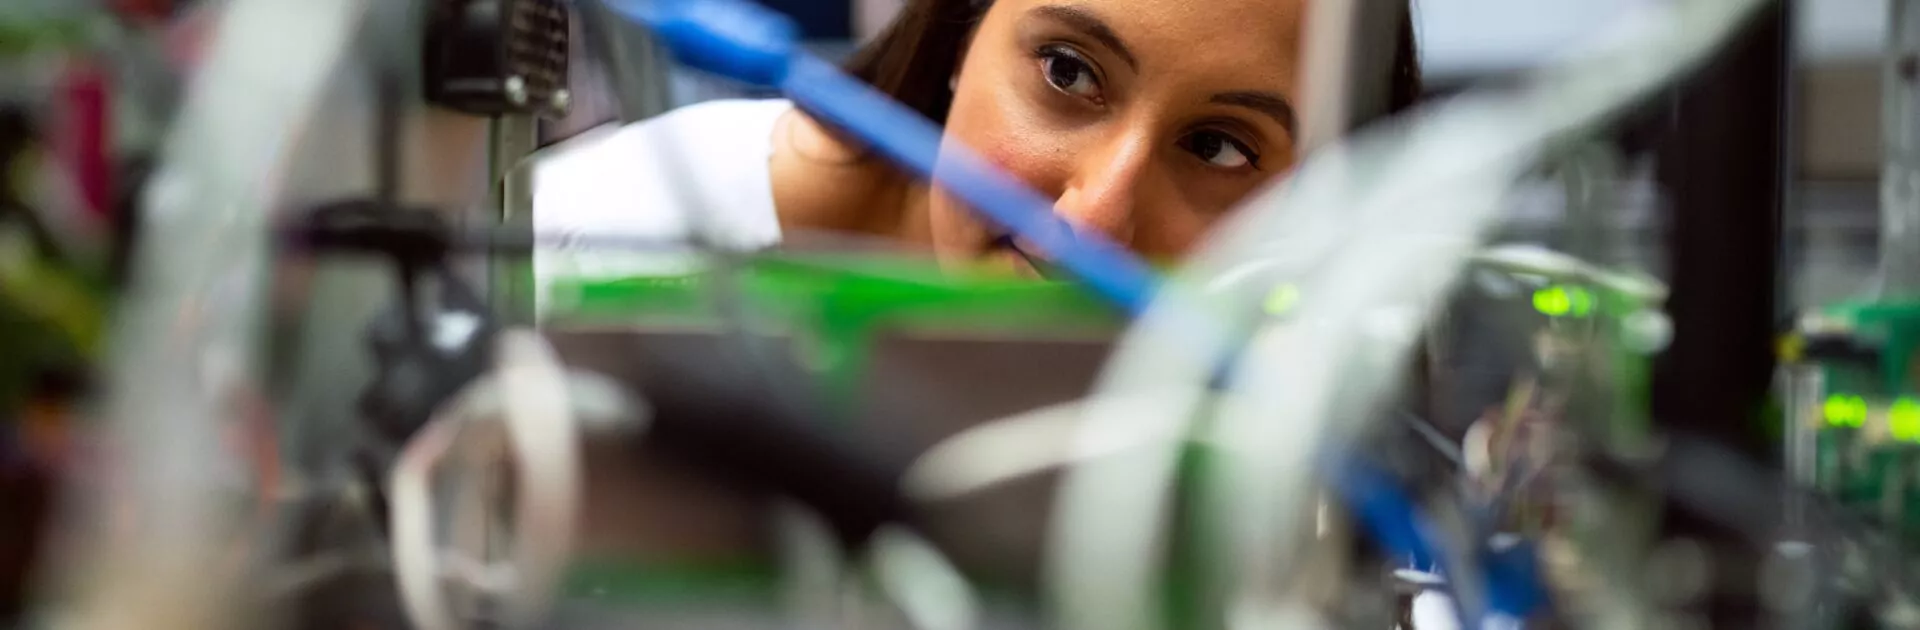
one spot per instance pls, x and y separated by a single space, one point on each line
1253 37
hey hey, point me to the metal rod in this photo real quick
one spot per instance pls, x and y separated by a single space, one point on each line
1900 169
1348 64
512 139
1801 387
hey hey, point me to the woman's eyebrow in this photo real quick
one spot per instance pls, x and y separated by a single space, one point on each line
1273 105
1083 19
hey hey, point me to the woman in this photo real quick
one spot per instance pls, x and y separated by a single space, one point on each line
1146 119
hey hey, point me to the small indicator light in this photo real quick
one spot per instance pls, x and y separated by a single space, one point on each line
1903 420
1561 301
1846 411
1552 301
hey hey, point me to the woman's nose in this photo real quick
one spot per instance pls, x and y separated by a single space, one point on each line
1105 189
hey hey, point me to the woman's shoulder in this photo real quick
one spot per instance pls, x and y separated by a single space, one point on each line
749 167
723 128
651 176
737 114
821 180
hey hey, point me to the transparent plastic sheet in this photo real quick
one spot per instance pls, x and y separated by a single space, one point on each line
186 357
522 412
1378 228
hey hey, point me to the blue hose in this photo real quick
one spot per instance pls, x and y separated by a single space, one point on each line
750 43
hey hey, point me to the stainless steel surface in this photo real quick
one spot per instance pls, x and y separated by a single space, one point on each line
513 138
1800 388
1900 171
1346 69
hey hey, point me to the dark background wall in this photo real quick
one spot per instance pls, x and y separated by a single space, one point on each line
819 19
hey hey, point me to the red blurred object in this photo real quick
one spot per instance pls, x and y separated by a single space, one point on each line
145 9
81 136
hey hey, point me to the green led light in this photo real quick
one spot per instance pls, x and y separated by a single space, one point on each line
1903 420
1552 301
1282 299
1845 411
1561 301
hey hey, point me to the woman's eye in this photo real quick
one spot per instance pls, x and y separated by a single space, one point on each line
1067 72
1221 151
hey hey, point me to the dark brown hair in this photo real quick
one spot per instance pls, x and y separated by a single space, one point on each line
915 58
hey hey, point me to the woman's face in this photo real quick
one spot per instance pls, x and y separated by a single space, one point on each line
1146 119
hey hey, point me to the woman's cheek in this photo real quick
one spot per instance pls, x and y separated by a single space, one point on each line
1012 141
1032 143
1166 235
